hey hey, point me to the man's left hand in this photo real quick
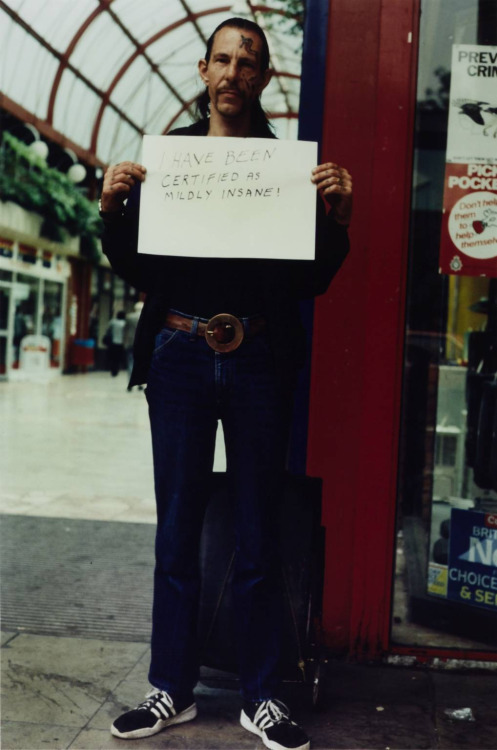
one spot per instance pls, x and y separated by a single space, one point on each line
335 185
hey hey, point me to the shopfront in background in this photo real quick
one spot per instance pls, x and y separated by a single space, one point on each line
446 574
33 293
403 412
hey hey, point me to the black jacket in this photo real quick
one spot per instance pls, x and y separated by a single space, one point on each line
284 282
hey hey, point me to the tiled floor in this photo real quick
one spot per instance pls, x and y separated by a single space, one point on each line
78 447
65 693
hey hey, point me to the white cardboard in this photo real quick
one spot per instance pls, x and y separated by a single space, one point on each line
228 197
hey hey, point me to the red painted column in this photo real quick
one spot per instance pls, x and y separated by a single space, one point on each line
359 323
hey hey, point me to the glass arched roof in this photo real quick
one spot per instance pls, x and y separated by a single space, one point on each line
103 72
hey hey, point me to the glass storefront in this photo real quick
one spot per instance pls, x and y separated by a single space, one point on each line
446 565
26 293
32 303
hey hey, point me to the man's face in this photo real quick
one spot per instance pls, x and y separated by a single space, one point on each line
233 74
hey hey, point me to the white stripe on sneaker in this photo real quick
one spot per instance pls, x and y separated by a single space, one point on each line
166 711
273 725
153 715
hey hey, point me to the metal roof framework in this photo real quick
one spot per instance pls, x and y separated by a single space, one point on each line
95 75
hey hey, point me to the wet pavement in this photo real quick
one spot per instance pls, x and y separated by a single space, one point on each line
77 499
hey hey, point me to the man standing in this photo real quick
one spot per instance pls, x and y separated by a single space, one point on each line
220 339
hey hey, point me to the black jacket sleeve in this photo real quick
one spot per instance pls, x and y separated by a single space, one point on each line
120 242
311 278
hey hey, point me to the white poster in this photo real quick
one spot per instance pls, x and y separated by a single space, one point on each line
468 242
228 198
472 129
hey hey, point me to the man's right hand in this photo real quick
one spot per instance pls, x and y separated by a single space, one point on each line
118 181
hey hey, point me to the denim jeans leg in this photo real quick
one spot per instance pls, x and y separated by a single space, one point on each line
183 424
255 421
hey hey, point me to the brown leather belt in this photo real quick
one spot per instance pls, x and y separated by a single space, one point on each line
223 332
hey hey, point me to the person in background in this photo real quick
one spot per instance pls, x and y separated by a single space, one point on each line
115 339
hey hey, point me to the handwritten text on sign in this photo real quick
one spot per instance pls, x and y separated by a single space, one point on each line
228 197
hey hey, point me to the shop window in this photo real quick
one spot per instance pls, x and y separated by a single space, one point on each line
25 310
28 254
6 248
446 573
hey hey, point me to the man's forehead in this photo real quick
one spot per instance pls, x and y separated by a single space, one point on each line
244 39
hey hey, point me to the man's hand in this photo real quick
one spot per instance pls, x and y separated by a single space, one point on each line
118 181
335 185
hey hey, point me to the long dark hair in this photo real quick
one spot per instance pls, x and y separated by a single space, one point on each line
260 125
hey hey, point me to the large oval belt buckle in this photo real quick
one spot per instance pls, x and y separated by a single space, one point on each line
224 333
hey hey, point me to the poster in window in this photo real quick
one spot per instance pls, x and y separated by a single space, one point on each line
468 244
473 558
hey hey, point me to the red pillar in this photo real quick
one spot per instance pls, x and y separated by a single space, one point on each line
359 324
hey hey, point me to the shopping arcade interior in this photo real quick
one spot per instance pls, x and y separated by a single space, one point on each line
446 466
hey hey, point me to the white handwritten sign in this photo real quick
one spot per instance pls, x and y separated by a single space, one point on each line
228 197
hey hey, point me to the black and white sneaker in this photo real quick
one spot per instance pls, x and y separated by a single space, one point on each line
271 721
153 715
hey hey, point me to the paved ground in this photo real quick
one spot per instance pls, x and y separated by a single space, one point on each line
64 693
74 646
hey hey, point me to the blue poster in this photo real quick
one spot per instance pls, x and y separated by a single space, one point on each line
473 558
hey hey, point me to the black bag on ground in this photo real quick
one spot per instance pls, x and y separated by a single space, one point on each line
302 552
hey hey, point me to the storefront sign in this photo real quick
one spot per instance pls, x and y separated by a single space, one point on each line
228 197
468 244
473 558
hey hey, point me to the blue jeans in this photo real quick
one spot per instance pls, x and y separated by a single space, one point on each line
189 388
